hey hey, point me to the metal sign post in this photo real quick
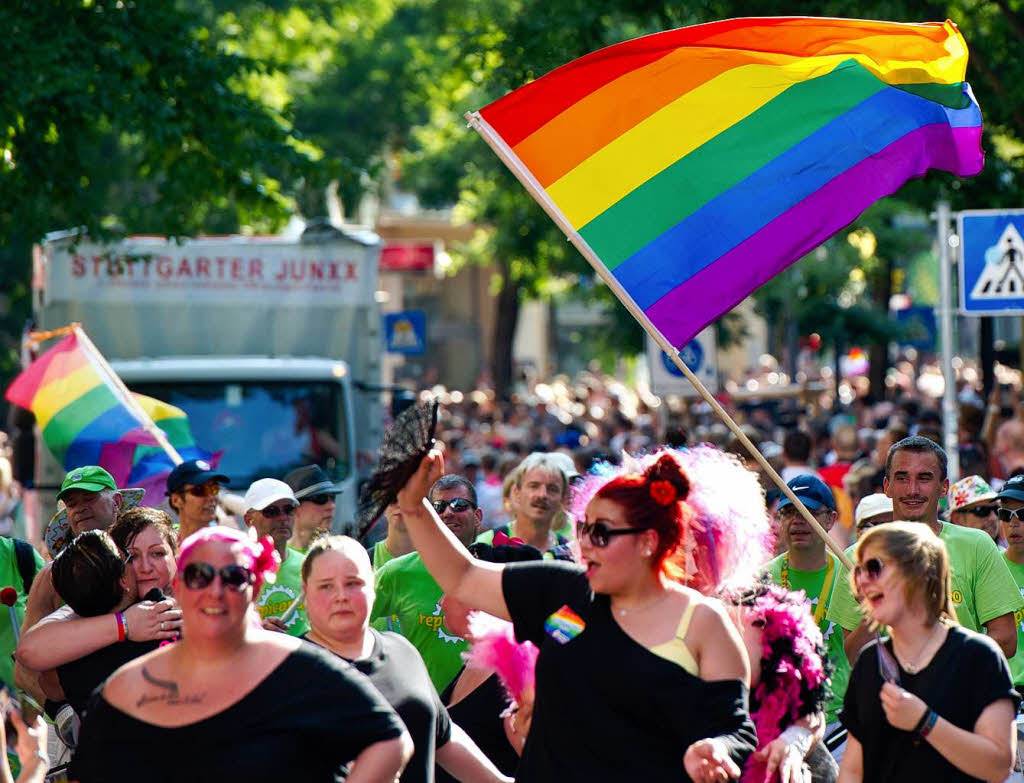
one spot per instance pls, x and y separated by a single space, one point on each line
950 413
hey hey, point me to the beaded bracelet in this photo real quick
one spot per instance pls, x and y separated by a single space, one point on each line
928 724
122 627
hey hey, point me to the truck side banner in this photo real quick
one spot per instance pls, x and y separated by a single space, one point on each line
234 269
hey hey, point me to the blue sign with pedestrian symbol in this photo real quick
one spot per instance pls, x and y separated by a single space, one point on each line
991 262
406 332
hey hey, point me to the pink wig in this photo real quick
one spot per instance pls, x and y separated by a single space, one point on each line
260 556
728 536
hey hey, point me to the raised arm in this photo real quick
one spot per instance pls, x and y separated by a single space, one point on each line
62 636
475 583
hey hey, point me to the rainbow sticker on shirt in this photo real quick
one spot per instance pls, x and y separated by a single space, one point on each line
564 625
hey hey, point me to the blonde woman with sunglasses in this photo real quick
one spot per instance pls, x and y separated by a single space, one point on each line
933 701
638 677
231 701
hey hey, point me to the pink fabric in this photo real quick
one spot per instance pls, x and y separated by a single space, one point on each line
263 559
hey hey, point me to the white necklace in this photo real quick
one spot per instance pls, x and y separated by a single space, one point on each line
622 612
915 666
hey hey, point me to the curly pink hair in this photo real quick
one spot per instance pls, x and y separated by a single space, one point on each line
263 559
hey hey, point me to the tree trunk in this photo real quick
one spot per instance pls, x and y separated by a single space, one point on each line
506 317
878 353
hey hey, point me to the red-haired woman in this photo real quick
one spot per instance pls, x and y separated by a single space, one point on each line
639 677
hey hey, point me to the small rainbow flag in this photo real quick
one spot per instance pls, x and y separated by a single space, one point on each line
77 407
694 165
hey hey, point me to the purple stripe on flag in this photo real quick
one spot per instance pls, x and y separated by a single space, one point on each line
723 284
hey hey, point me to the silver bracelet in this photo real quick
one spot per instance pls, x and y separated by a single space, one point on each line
798 736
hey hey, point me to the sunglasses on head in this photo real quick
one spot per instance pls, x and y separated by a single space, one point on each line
198 576
456 504
600 535
320 500
1010 514
273 512
870 570
981 511
207 490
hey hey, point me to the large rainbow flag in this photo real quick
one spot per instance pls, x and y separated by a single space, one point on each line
696 164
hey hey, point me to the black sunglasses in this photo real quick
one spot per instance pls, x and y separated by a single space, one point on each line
320 500
872 568
981 511
198 576
457 505
600 534
273 512
1010 514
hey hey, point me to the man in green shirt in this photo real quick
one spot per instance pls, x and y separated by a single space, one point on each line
984 594
1011 523
270 508
808 565
409 600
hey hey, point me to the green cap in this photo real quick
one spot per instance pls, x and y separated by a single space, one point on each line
91 478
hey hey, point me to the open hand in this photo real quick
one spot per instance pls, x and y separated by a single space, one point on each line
410 497
707 762
902 708
783 758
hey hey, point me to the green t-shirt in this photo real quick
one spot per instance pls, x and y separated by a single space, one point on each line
1017 661
380 555
9 575
813 584
408 602
274 599
983 588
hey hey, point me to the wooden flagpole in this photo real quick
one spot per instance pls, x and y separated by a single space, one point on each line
126 396
511 160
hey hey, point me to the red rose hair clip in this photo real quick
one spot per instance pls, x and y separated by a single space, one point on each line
663 492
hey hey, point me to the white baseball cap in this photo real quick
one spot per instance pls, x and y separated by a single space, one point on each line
872 506
263 492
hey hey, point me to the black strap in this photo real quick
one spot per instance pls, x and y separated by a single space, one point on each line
26 562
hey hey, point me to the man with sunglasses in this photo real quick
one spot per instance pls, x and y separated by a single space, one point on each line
984 594
1011 522
192 490
808 565
972 503
315 492
409 600
270 508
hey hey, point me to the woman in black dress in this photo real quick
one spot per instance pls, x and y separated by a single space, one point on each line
337 578
639 677
231 701
934 701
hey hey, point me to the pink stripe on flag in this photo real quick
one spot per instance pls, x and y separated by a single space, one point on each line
723 284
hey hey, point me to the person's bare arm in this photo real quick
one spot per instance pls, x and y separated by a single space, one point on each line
1003 631
851 770
474 582
382 762
856 640
464 761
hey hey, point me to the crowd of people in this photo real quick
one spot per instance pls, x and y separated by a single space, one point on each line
581 587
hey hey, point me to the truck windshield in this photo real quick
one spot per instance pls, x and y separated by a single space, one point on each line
264 429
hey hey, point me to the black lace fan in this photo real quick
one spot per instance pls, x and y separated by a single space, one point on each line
405 445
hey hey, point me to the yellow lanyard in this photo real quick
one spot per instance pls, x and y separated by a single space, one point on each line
826 588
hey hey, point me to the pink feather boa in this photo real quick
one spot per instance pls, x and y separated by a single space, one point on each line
494 647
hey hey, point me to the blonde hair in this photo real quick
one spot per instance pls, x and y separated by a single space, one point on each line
346 545
921 558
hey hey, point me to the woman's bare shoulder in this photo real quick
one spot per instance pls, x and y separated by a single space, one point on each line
125 683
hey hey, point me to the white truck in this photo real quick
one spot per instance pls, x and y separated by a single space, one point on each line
266 343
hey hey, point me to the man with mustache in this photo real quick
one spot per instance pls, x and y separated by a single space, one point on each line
409 600
984 594
538 497
270 508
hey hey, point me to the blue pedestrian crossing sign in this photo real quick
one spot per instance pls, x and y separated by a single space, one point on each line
991 261
406 332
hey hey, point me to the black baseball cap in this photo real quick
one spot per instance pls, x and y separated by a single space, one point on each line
1013 489
812 491
195 472
311 480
